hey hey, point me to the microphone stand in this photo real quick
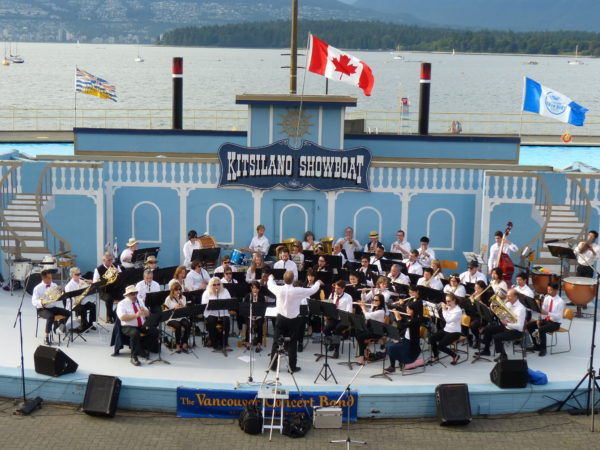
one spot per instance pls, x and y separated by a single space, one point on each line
26 407
348 441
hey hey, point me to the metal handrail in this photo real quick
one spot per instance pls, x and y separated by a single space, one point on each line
8 233
542 197
586 201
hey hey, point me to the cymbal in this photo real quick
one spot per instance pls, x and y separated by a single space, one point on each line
61 254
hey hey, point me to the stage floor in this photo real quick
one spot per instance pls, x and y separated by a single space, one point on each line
213 370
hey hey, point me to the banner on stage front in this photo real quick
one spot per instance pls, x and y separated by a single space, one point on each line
310 166
227 404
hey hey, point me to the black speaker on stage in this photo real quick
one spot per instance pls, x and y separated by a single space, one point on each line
53 362
511 373
453 404
101 395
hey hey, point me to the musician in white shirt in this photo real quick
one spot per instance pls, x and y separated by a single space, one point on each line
426 253
472 275
181 325
507 331
587 253
228 277
288 300
342 302
429 281
376 312
179 278
497 284
442 340
506 248
551 317
285 263
412 263
259 243
521 286
349 244
197 277
51 310
127 254
454 287
396 276
373 243
381 287
86 305
257 263
192 244
146 286
376 259
215 291
401 245
225 263
339 251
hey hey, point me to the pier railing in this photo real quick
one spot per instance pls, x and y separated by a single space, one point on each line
376 122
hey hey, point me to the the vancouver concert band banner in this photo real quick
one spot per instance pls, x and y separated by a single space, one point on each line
278 164
225 404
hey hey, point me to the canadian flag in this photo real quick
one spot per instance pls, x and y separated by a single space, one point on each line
336 65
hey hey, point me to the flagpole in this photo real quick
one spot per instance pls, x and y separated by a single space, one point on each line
308 50
522 105
75 99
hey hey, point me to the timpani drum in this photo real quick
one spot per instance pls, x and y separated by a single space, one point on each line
580 290
541 280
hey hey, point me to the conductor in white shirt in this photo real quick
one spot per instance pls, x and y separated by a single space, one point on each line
288 321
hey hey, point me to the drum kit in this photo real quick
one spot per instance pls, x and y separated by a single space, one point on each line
21 268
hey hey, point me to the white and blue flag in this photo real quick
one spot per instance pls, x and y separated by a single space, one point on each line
550 103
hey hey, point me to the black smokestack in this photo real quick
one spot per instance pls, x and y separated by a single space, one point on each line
177 93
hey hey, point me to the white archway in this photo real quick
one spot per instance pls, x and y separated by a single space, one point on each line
367 208
232 217
158 239
452 227
283 210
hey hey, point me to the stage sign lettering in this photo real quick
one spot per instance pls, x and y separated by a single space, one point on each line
278 164
226 404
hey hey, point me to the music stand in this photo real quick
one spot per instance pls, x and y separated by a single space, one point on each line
529 302
325 277
429 294
70 295
141 254
486 315
163 275
273 248
382 329
563 253
386 264
206 255
249 310
334 261
324 309
357 323
222 305
190 312
154 302
414 278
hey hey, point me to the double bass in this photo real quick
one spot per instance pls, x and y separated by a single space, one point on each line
504 262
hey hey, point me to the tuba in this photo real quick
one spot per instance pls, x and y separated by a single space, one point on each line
110 276
501 311
52 295
327 244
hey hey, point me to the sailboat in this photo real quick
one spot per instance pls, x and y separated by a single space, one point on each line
16 59
576 61
5 61
139 58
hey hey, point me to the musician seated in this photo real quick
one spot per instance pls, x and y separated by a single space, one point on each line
401 245
506 331
472 275
86 308
50 310
133 315
429 281
413 299
297 256
321 265
396 276
373 243
197 277
349 244
497 284
215 291
311 279
343 302
179 277
228 276
255 296
376 259
259 243
193 243
412 263
477 322
381 287
454 286
225 262
377 312
107 294
127 254
436 266
521 286
365 272
309 242
181 325
285 263
407 350
257 263
146 286
338 250
551 317
151 263
441 340
426 253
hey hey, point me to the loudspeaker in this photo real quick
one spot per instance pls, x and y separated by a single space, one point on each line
101 395
453 404
53 362
511 373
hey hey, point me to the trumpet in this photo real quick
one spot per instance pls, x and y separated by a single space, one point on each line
476 297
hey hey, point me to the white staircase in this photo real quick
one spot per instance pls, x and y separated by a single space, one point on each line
21 218
563 224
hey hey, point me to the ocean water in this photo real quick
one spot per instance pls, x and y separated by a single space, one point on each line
559 157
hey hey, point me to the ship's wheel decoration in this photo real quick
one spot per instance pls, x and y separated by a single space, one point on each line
295 124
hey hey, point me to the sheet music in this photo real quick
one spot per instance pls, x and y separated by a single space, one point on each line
271 312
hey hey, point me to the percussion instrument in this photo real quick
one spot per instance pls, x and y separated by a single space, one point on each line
580 290
207 241
65 263
541 280
20 270
237 257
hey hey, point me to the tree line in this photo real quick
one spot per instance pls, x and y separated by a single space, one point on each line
385 36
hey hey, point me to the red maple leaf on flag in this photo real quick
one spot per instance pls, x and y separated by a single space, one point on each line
342 65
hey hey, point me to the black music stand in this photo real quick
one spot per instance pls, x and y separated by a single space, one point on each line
206 255
222 305
278 273
273 248
141 254
334 261
486 315
383 329
163 275
529 302
236 290
195 298
357 323
249 310
325 277
431 295
70 295
190 312
563 253
414 278
154 302
386 264
324 309
469 288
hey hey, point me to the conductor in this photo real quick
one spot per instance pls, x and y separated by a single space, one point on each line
288 322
